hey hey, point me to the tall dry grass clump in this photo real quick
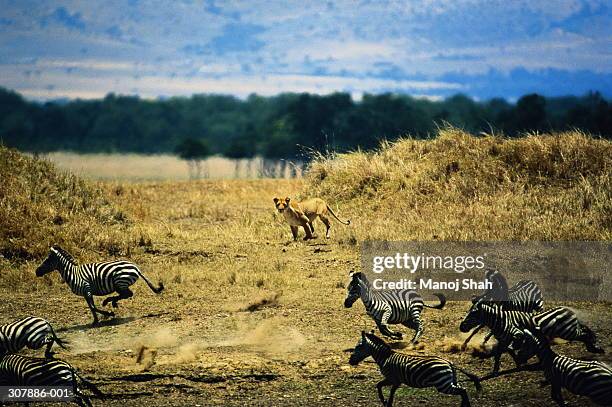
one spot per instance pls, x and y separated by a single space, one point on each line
458 186
41 206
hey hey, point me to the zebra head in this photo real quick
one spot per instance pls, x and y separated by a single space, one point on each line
52 262
354 288
526 345
472 319
368 345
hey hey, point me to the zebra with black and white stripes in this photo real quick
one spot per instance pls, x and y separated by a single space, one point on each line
506 326
95 279
32 332
412 370
585 378
524 296
17 370
389 306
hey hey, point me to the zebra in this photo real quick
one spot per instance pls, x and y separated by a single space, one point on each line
506 326
389 306
524 296
18 370
96 279
592 379
412 370
32 332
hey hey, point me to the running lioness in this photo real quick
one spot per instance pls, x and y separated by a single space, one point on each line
304 213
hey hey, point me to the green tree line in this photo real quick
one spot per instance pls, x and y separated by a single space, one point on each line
283 126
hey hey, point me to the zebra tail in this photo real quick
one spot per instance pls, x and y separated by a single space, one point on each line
62 343
442 299
156 290
92 387
473 378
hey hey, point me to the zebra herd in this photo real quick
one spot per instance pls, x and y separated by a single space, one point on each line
516 319
514 315
86 280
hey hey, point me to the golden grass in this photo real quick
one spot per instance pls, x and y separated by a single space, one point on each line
455 187
461 187
221 248
41 206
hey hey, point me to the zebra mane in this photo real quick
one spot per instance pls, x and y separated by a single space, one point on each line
360 276
378 342
64 254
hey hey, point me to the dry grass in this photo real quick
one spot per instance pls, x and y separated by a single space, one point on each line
219 246
461 187
41 206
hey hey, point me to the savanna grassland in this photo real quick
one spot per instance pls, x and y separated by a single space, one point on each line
249 317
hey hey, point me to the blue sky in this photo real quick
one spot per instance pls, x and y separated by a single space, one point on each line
482 48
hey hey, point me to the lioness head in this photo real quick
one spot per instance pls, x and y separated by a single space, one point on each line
281 204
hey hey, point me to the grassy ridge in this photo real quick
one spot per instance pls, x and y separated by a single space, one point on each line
41 206
454 187
461 187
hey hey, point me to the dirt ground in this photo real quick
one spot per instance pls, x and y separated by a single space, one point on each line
220 249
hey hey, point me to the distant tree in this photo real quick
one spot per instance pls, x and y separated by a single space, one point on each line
281 127
530 113
242 147
193 151
591 113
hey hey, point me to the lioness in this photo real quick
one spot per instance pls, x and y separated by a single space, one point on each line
304 213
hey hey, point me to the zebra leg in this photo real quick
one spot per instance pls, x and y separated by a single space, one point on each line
124 294
514 357
383 327
497 362
469 338
379 387
94 310
311 226
109 299
417 324
456 390
81 399
486 339
391 394
49 341
555 393
587 336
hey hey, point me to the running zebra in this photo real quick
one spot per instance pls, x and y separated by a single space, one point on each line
411 370
507 326
389 306
17 370
32 332
524 296
585 378
95 279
